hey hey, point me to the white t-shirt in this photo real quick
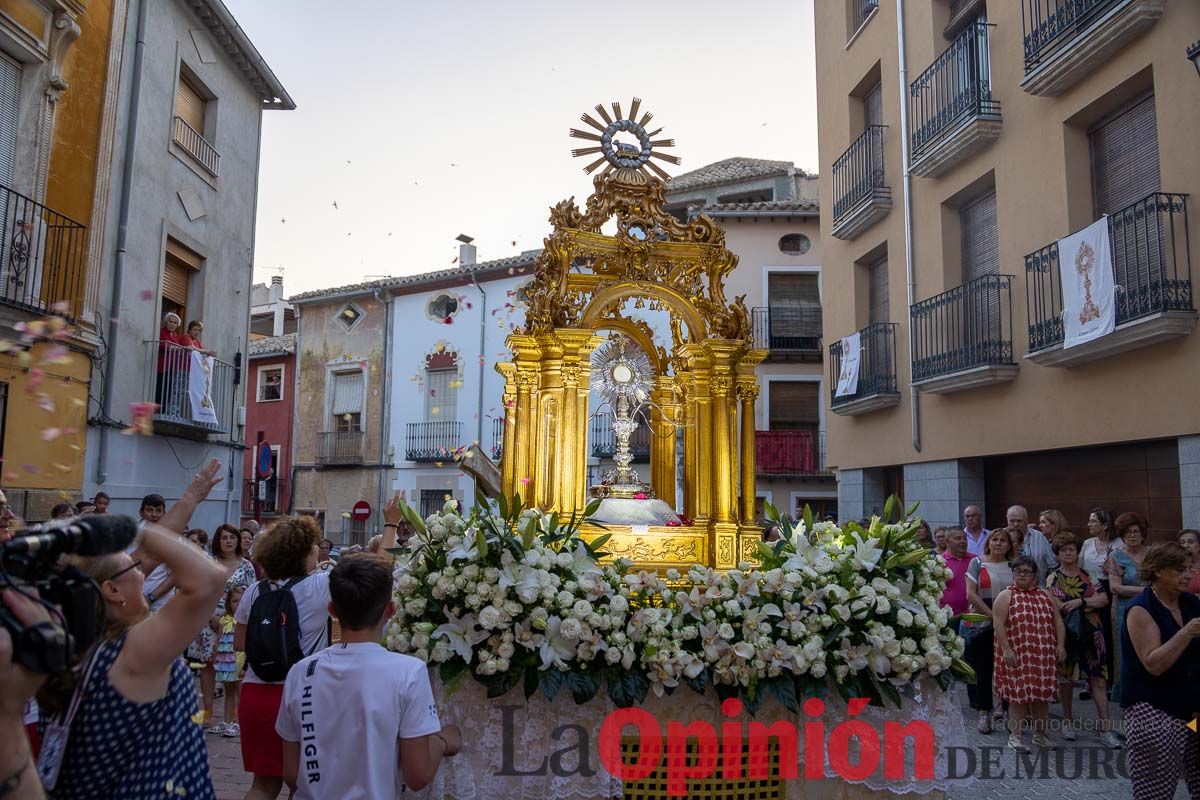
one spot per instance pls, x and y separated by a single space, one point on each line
312 603
157 577
349 706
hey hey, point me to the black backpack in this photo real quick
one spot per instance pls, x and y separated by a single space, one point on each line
273 632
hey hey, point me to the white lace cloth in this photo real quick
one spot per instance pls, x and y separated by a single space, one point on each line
487 766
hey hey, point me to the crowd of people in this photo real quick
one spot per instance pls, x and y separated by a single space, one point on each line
252 611
1043 613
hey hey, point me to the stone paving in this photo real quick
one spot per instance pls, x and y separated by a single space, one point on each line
1011 779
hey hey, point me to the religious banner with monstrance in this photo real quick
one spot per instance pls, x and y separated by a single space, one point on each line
1086 270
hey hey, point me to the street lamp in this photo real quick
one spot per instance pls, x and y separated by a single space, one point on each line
1194 54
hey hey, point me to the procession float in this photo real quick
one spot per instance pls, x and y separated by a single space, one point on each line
638 638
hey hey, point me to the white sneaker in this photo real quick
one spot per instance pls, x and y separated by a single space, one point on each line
1068 732
232 730
217 729
1014 741
1110 740
1041 740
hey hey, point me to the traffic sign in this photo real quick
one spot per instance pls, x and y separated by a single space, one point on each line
361 511
264 459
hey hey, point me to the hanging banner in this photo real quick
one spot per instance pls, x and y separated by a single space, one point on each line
200 380
848 377
1089 298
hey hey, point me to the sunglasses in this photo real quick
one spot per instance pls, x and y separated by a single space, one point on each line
135 565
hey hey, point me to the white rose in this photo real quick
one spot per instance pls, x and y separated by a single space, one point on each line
489 618
442 651
471 571
570 628
882 606
564 599
506 650
420 640
415 608
904 618
582 609
618 604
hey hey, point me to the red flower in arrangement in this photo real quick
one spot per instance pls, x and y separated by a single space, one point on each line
673 523
449 320
640 496
684 521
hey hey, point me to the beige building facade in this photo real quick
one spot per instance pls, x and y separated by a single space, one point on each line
959 141
770 213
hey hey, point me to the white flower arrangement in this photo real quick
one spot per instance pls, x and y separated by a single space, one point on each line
519 598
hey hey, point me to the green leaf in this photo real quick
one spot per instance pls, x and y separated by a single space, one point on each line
395 550
529 534
501 683
753 696
591 508
531 681
784 690
889 508
583 687
550 682
552 525
944 680
887 690
698 683
911 510
517 506
628 688
725 691
481 501
772 512
412 518
481 544
599 542
449 670
808 517
503 502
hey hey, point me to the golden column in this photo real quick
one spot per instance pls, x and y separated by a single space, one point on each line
699 450
507 462
526 355
747 393
664 420
722 354
567 479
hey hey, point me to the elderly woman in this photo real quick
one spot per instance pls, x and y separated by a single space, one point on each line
1190 540
1123 581
1027 621
1081 603
195 329
172 365
1160 681
987 576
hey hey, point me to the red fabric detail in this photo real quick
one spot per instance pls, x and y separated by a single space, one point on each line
262 749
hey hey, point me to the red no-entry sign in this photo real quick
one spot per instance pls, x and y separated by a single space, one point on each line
361 511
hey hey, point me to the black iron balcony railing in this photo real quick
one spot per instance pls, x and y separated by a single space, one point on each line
604 441
859 11
790 453
876 367
858 173
968 326
1152 267
340 447
43 255
192 392
497 438
1051 25
196 146
956 88
273 496
433 441
788 330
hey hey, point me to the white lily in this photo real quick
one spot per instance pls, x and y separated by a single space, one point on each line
462 634
464 550
865 554
582 562
555 648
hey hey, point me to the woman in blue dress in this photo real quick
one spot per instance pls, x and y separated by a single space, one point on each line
1123 581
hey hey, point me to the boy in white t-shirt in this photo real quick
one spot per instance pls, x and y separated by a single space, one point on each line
358 721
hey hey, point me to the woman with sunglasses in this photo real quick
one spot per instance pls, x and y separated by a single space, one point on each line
128 719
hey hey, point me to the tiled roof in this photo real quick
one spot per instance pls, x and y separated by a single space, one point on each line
766 208
245 56
272 345
482 269
731 170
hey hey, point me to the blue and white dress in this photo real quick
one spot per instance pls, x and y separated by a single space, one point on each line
135 751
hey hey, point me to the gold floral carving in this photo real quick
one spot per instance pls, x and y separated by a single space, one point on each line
641 550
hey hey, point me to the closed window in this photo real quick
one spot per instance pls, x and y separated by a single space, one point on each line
794 300
347 405
877 292
1124 154
270 384
873 107
794 244
10 93
190 105
432 501
795 405
442 307
980 238
441 399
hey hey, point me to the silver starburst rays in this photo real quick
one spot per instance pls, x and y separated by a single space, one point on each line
624 141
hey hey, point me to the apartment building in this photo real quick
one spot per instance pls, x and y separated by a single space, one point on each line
960 141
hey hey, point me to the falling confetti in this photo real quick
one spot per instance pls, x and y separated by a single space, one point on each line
455 261
61 307
50 434
56 354
146 294
63 467
45 403
435 411
335 205
142 419
525 481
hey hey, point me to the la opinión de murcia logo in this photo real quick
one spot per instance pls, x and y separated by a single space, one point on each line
692 748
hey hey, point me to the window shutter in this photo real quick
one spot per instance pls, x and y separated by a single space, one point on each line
795 405
1124 151
347 393
10 93
980 238
189 105
794 300
877 285
873 107
175 282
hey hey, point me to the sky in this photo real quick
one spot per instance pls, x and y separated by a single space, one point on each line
423 121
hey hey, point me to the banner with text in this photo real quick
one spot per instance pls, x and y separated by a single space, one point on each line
200 380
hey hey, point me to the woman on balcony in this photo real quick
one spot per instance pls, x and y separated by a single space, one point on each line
169 387
192 338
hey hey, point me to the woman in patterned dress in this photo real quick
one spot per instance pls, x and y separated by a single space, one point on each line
1123 581
1081 603
1030 639
239 572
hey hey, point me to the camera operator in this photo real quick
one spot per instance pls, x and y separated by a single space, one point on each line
18 776
130 733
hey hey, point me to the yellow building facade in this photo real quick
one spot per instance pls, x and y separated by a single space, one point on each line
59 63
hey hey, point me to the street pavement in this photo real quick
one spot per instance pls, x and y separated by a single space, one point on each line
1011 779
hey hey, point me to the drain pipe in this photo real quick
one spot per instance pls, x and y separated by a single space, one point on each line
914 395
482 358
385 422
114 310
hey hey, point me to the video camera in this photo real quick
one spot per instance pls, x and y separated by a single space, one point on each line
30 561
